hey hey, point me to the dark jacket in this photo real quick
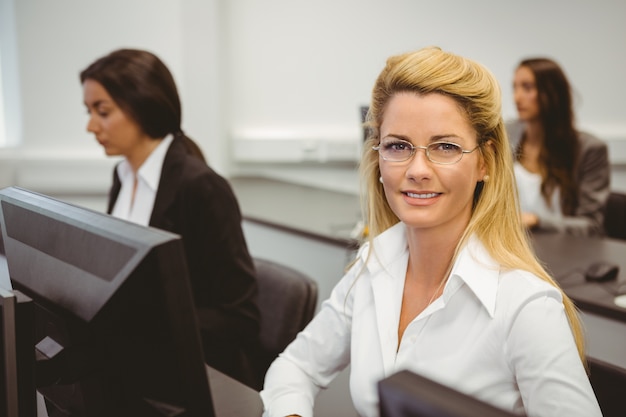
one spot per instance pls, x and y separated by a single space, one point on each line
195 202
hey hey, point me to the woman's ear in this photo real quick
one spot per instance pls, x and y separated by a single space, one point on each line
483 171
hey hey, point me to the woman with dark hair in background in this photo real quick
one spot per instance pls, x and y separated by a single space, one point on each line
163 181
563 174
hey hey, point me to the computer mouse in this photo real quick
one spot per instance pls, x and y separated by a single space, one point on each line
601 271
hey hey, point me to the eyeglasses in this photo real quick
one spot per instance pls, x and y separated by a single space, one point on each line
444 153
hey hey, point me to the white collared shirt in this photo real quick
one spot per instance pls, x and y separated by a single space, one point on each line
501 336
148 177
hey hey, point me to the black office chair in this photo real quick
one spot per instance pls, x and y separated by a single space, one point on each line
615 216
287 301
608 382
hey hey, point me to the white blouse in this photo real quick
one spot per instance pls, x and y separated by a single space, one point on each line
501 336
148 177
531 200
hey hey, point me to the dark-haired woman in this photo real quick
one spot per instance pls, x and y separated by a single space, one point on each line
163 181
562 173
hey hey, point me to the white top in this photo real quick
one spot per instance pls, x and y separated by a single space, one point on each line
148 178
531 200
501 336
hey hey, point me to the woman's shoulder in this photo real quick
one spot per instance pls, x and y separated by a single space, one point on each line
519 287
590 141
187 165
191 176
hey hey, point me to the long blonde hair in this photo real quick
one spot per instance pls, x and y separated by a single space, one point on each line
495 216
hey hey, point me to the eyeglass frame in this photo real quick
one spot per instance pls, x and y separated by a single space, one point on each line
426 149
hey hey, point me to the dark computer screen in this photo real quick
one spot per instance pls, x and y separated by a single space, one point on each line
115 326
406 394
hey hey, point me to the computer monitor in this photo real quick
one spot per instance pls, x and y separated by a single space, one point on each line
407 394
115 326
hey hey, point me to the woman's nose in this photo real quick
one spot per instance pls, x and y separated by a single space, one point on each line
517 95
419 165
92 126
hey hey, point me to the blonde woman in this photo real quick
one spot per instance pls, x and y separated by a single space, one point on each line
447 285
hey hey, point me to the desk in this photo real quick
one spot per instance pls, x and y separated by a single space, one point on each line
604 321
234 399
568 256
315 213
231 398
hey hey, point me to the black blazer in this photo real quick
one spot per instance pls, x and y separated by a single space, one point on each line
195 202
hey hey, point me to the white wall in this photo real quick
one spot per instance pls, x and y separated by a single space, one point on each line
303 68
300 63
282 80
312 63
54 41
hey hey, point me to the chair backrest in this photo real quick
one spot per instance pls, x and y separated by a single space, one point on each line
608 382
287 300
615 216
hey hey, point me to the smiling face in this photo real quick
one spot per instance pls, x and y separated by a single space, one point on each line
115 131
425 195
525 94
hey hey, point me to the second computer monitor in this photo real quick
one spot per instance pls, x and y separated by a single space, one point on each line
407 394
